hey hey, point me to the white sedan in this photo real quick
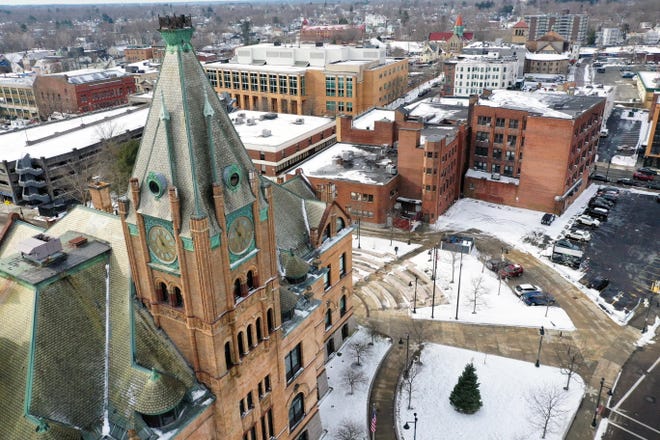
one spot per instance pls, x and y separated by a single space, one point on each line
579 235
588 221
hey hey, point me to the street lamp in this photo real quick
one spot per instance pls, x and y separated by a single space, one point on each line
458 294
407 426
415 297
407 350
435 267
538 355
600 391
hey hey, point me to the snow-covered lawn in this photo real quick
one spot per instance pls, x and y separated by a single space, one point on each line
506 388
339 405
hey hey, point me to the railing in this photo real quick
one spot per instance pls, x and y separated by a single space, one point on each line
32 183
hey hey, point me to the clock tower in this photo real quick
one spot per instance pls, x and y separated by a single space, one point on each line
200 236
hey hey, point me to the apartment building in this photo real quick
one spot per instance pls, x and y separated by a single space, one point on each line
312 80
572 27
134 54
475 74
532 150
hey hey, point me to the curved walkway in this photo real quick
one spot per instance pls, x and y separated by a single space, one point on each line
606 346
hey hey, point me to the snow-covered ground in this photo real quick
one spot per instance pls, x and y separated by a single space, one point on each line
507 388
339 406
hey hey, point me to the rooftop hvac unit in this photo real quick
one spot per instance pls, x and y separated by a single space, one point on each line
299 121
241 115
495 176
391 169
266 133
239 121
251 121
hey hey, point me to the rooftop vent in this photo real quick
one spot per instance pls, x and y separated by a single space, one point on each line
78 241
266 133
239 121
495 176
299 121
251 121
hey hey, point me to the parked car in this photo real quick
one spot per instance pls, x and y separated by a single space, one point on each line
495 264
628 75
647 170
598 282
510 271
598 213
599 203
612 189
524 288
626 181
599 177
587 221
642 176
579 235
538 299
547 219
610 197
653 185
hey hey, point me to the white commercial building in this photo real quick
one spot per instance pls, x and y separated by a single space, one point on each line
473 75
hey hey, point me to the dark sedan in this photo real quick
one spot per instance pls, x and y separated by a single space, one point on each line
538 299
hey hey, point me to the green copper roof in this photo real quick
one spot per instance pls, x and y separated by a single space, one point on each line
189 140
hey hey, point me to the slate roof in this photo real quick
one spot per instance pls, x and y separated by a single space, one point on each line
52 343
189 139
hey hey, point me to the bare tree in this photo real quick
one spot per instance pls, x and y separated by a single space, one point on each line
409 380
349 430
360 350
477 292
418 329
353 378
546 406
570 360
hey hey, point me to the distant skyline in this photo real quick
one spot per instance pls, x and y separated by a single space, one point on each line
97 2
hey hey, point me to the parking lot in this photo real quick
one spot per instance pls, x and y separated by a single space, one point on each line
625 249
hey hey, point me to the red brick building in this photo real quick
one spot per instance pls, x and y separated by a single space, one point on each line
135 54
81 91
335 33
532 150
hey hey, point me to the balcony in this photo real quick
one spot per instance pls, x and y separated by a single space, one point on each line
43 198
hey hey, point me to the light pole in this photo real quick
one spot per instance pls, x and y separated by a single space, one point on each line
435 267
499 286
407 426
407 350
414 297
458 294
600 391
538 355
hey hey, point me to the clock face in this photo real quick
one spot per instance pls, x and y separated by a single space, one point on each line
162 244
240 235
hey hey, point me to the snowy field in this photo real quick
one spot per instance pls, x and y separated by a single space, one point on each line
506 387
339 406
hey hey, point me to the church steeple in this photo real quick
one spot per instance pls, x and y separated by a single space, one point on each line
458 27
188 141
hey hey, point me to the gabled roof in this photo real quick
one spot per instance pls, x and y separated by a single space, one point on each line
52 343
551 36
521 25
445 36
189 142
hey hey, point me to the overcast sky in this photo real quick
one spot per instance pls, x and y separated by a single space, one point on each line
96 2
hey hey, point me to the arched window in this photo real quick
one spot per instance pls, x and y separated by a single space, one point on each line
178 298
237 289
296 411
241 345
328 319
258 326
339 224
344 331
164 419
164 295
270 321
326 233
228 360
250 341
342 305
250 280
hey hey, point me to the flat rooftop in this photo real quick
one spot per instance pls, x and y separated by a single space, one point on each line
353 163
549 105
366 120
17 267
436 111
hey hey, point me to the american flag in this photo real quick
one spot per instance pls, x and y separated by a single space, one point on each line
373 419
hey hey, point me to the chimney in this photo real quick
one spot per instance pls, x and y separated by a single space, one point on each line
100 194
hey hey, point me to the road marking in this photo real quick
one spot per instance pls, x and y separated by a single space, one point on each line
616 407
650 428
609 422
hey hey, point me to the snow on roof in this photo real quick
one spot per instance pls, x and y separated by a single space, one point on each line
651 80
12 79
549 105
546 56
435 112
408 46
366 120
476 174
79 133
348 162
254 68
284 130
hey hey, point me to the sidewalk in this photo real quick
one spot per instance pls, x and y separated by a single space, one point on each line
383 391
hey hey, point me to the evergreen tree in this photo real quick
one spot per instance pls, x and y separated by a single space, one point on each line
465 397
